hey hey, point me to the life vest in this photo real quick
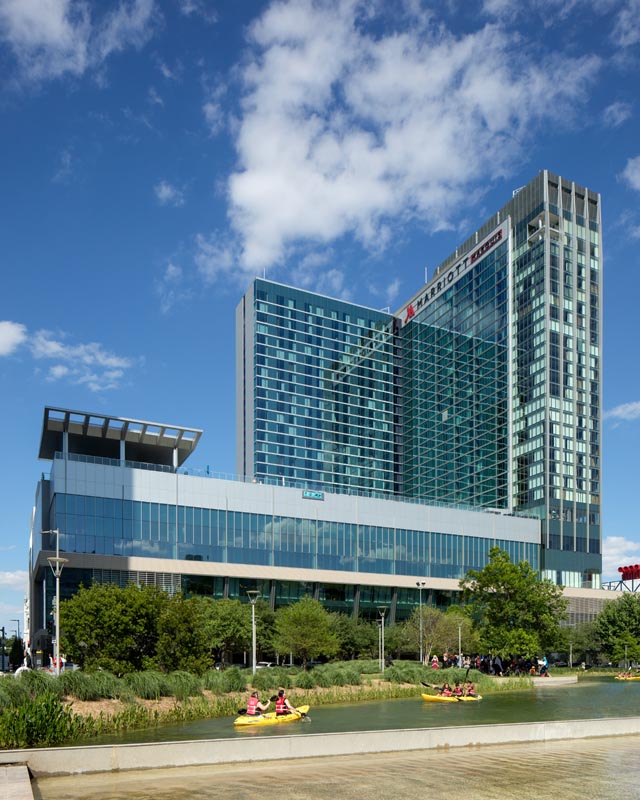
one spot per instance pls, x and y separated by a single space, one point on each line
252 705
281 705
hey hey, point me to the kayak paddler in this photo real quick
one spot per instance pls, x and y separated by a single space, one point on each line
254 706
283 706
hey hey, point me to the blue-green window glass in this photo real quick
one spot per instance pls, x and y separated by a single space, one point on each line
455 391
217 535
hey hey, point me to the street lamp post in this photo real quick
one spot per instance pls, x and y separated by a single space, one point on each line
253 595
57 565
420 585
17 621
626 663
382 611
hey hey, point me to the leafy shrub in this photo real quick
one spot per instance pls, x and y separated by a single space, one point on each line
184 684
352 676
271 678
324 676
263 679
366 667
148 685
213 681
233 680
394 675
110 687
338 676
305 680
14 691
79 685
41 722
37 682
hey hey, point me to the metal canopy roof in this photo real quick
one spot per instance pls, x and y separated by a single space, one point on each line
93 434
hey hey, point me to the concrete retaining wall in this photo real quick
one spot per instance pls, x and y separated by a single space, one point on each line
105 758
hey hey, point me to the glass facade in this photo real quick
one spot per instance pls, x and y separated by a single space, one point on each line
131 528
555 340
455 390
324 390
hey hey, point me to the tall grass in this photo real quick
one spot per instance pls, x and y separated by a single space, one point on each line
148 685
184 685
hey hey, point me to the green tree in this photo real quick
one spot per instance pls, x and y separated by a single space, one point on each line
396 641
355 637
580 643
513 611
265 627
226 626
618 624
304 629
182 641
16 654
115 629
437 631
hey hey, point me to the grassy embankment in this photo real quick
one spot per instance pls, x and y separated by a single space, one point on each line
39 709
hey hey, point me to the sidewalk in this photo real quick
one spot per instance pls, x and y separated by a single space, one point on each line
15 783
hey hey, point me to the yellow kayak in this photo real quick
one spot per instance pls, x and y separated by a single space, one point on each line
628 678
244 721
438 698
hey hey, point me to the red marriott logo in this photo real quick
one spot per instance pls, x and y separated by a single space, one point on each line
410 313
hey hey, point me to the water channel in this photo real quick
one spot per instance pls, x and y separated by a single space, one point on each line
572 770
585 700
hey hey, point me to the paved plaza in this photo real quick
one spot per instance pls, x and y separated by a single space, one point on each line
572 770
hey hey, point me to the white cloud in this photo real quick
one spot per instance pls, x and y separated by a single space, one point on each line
168 195
12 335
154 97
550 11
393 290
169 73
626 411
618 552
346 132
169 287
616 113
14 580
313 272
65 167
631 173
626 29
50 38
215 257
80 364
214 116
200 8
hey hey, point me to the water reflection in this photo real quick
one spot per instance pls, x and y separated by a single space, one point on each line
585 700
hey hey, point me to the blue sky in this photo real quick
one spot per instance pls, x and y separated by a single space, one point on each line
155 155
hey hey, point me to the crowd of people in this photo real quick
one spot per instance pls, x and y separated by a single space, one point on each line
493 664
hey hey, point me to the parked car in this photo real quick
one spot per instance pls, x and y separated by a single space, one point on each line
560 664
264 664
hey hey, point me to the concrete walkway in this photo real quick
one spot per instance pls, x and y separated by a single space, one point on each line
106 758
15 783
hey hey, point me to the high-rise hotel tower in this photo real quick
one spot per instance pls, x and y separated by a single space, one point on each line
482 391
